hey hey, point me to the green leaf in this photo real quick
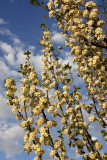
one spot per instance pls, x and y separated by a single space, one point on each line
70 143
67 66
27 52
43 25
19 71
76 88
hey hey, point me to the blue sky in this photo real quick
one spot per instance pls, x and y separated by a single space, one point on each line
19 31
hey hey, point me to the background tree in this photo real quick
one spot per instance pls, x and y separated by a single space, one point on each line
84 29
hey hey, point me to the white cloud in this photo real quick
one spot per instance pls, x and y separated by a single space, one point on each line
6 47
2 21
20 58
36 61
54 25
5 111
13 53
10 58
31 48
16 40
5 31
94 129
10 136
6 72
9 50
94 138
57 37
12 148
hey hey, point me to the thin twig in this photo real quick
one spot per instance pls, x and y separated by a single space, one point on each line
25 110
104 11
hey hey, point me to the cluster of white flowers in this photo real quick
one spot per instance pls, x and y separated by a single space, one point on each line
10 85
92 118
38 149
53 153
98 145
90 4
99 34
92 155
63 120
40 121
93 14
51 13
78 96
104 155
94 61
51 124
50 4
45 137
85 13
27 147
32 76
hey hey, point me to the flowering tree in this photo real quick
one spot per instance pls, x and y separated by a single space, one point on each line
55 100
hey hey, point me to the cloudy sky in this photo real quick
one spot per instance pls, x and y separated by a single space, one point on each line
20 31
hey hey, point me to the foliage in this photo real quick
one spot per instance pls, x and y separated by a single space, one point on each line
44 102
